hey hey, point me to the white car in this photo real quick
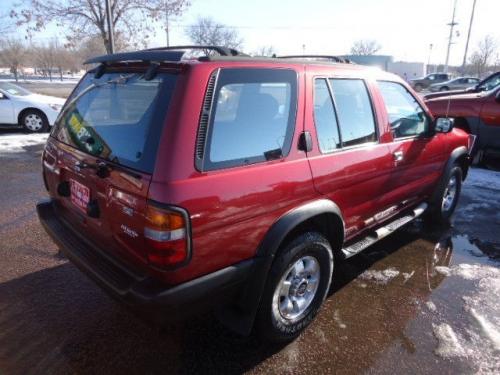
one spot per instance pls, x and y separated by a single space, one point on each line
20 107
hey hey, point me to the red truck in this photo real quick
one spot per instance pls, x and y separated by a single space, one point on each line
477 113
234 183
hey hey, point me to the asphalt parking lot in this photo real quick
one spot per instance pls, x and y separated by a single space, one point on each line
420 301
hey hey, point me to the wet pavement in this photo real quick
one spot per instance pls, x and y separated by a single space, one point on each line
420 301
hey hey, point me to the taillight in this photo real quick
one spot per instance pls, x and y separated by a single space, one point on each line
167 236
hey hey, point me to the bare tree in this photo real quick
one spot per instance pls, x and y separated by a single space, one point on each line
88 17
12 54
484 54
265 51
206 31
365 47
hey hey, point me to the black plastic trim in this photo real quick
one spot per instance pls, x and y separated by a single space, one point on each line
161 302
242 316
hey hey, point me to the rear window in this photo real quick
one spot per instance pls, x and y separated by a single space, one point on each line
252 118
117 117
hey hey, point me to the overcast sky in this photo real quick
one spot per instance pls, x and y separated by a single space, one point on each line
404 28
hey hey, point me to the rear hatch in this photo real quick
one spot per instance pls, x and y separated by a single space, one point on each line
101 155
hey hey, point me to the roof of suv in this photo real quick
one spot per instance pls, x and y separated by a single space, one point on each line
184 55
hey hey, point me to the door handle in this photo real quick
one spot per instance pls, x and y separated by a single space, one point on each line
398 156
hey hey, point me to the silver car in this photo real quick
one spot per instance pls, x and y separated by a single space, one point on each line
460 83
20 107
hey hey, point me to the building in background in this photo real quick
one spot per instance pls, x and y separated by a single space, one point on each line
406 70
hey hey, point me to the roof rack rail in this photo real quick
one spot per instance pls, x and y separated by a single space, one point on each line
170 54
338 59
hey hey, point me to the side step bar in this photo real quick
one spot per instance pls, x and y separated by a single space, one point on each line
383 231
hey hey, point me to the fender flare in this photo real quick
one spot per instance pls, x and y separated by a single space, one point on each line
454 156
241 316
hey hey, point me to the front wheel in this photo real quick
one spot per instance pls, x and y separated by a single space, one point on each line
296 288
447 198
34 121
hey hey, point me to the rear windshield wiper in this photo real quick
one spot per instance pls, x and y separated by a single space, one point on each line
102 168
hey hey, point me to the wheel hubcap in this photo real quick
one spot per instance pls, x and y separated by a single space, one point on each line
33 122
296 289
449 194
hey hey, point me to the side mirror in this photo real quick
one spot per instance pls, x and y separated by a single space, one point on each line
444 124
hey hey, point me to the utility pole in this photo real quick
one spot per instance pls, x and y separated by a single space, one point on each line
450 38
167 25
468 35
109 18
429 59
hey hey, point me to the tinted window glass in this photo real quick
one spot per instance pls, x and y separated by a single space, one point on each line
324 117
406 116
354 111
253 117
116 117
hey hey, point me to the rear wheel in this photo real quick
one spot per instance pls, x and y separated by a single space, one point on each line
34 121
447 199
296 287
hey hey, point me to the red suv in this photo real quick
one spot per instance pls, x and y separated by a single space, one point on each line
181 184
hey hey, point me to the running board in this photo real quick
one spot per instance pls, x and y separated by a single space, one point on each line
383 231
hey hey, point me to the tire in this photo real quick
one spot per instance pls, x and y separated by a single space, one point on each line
34 121
446 199
291 299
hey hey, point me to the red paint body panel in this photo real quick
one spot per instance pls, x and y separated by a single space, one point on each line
232 209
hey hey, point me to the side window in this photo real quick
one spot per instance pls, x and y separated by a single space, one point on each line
406 116
354 111
252 118
324 117
432 77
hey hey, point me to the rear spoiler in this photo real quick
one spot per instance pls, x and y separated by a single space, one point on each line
161 54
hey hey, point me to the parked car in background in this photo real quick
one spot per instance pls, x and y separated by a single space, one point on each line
423 83
235 183
476 113
487 84
22 108
461 83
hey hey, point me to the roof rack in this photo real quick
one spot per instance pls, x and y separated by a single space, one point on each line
337 59
170 54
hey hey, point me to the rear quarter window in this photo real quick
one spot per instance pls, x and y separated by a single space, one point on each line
252 117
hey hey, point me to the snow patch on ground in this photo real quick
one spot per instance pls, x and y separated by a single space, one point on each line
469 271
17 142
431 306
380 277
479 342
408 275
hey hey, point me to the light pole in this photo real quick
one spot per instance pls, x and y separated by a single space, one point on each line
429 59
450 38
109 18
468 35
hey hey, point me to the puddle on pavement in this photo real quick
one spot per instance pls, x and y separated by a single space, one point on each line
418 301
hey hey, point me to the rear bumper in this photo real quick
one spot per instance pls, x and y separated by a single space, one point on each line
144 294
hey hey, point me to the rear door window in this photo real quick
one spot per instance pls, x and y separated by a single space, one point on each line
252 117
354 110
325 118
